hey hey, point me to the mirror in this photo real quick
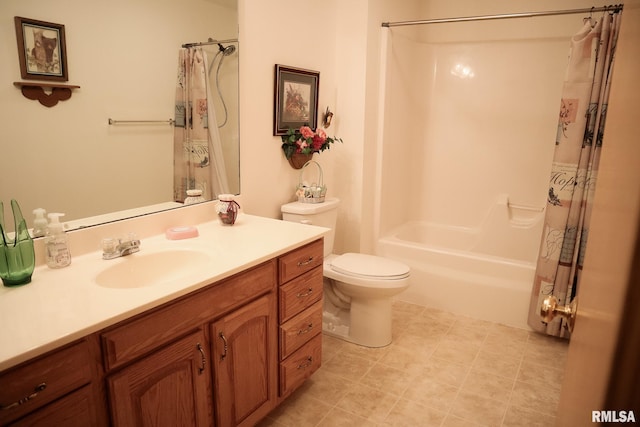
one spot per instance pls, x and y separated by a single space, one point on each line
123 55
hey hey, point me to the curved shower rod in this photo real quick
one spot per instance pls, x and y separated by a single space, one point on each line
209 42
612 8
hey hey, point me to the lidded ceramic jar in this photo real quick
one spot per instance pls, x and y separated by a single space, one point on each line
193 196
227 209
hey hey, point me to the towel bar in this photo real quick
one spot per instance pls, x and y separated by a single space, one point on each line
170 122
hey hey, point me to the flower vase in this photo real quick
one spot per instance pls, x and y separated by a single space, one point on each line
297 160
17 255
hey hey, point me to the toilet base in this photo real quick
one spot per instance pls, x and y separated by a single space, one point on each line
367 323
334 329
371 322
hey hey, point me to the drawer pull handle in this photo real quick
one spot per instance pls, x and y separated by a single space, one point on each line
307 262
306 294
203 360
224 340
306 364
38 389
304 331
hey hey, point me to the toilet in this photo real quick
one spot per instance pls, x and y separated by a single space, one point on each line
358 288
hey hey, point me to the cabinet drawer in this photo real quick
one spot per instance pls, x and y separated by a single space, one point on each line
297 331
132 339
300 365
73 410
300 261
40 381
300 293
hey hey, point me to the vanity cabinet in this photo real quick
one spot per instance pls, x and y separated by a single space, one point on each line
300 294
57 388
224 355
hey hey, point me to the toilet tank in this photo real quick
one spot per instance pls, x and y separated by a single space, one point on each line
321 214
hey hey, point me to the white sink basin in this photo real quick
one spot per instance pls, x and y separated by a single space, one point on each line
140 269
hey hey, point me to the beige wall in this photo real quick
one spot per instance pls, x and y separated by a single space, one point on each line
340 40
300 34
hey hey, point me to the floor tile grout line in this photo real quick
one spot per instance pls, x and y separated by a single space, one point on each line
515 381
462 384
335 405
358 381
407 317
402 395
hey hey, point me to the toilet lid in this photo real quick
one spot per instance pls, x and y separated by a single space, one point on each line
369 266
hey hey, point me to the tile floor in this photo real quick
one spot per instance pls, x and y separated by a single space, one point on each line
442 369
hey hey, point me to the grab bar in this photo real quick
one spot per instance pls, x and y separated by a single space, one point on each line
170 122
524 207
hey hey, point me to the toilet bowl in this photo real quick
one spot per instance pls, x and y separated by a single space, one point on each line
369 282
359 288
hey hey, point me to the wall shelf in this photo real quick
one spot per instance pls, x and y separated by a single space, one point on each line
36 91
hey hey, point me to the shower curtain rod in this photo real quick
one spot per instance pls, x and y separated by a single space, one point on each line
612 8
209 42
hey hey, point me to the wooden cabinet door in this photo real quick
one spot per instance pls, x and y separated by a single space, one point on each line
245 351
171 387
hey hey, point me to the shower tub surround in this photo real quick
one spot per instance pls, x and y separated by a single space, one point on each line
468 270
476 105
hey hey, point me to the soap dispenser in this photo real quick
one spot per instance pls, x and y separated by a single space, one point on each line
39 222
55 243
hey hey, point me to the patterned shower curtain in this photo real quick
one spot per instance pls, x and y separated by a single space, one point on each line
197 150
581 122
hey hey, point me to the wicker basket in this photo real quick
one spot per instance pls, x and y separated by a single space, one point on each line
314 192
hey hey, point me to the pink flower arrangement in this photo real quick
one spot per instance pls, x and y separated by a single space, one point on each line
306 141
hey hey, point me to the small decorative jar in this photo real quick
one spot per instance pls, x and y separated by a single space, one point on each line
193 196
227 209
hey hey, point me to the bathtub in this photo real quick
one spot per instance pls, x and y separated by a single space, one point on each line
485 272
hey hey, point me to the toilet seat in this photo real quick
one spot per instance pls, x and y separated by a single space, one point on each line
365 266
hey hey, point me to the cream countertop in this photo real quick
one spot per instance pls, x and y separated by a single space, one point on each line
62 305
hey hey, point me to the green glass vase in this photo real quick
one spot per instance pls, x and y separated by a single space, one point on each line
17 256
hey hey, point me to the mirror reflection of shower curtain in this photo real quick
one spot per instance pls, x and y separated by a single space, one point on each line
574 170
197 155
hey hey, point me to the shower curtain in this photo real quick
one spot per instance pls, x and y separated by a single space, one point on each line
197 156
574 170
